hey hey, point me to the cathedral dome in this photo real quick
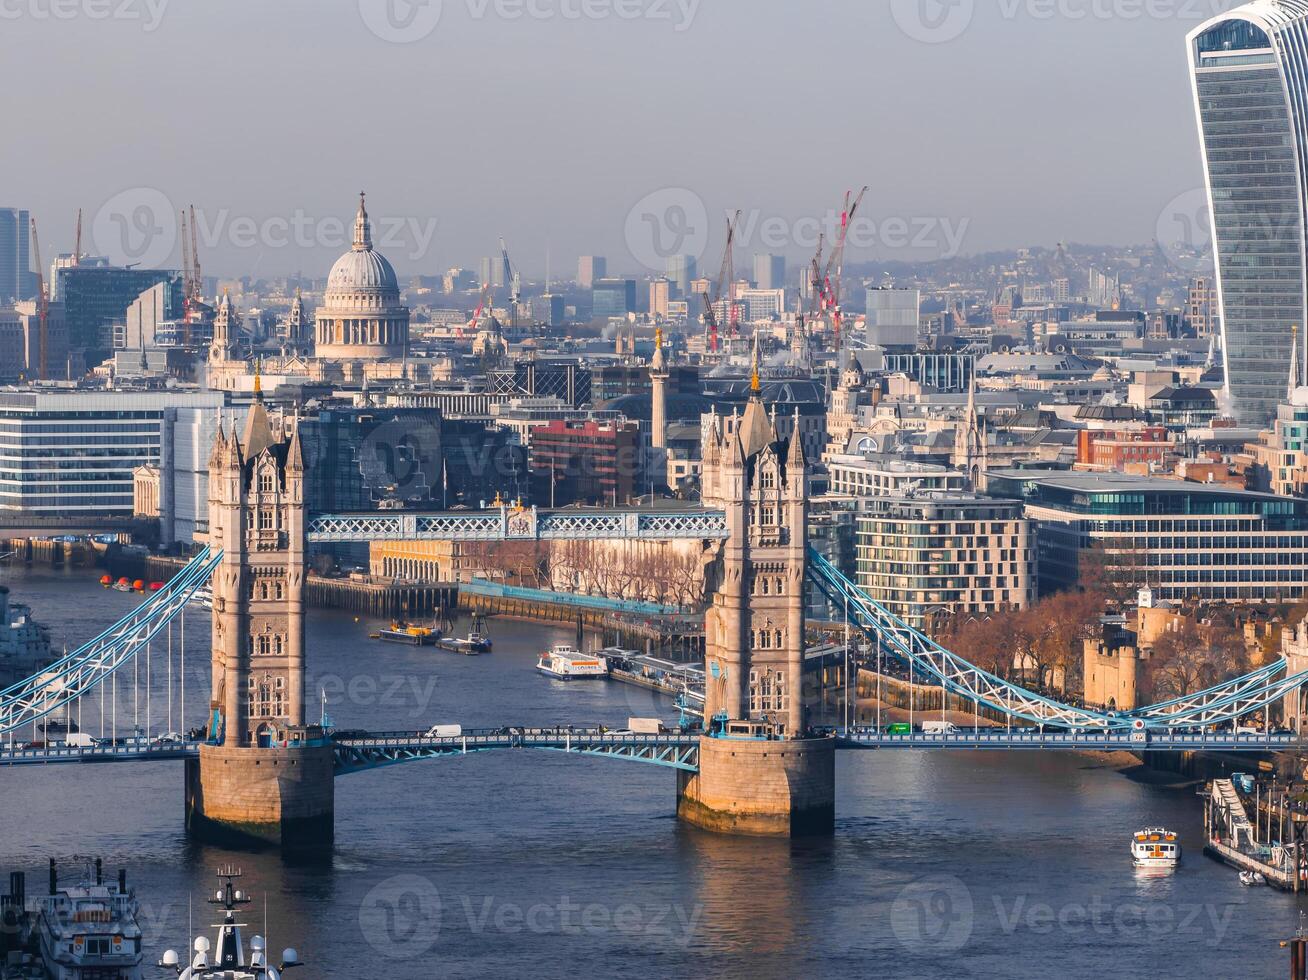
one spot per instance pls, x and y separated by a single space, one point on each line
361 317
362 269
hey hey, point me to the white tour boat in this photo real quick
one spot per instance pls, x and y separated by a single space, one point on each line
567 663
1155 847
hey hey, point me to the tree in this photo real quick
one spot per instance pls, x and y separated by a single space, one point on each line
1194 656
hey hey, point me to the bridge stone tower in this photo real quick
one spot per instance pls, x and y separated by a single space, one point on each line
758 774
267 775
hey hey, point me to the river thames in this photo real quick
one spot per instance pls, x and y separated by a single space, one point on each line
534 864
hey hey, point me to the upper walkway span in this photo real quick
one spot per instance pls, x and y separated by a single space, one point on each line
520 524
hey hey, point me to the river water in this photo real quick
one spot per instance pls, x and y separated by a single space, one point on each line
535 865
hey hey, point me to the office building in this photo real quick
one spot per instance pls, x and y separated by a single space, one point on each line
586 462
97 297
877 475
17 281
1185 541
1201 307
73 453
1251 103
613 297
769 271
658 298
547 308
892 317
927 556
590 269
761 304
682 270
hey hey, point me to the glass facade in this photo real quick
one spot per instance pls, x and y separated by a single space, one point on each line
1249 95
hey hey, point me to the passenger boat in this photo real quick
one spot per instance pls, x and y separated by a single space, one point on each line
203 597
229 959
83 930
1251 878
1155 847
407 633
567 663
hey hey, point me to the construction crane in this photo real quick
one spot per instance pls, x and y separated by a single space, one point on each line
836 266
42 310
197 278
77 240
187 285
724 276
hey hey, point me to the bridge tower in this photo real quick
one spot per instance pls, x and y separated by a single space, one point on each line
265 775
758 772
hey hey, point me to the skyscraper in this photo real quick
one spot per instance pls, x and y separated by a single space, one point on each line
1251 104
16 278
591 268
682 271
770 271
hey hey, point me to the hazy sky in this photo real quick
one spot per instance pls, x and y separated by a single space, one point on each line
549 121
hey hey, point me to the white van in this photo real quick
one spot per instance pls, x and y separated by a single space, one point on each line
445 731
939 728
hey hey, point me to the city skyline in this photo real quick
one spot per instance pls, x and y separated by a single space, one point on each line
608 147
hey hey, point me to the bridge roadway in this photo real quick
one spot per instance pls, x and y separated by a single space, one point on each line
374 750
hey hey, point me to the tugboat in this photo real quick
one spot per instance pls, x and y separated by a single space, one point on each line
474 643
1155 848
229 960
567 663
80 931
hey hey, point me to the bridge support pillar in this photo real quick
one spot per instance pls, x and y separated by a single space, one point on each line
784 788
263 796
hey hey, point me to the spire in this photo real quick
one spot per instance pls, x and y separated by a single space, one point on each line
295 454
1294 361
795 458
753 377
258 380
362 230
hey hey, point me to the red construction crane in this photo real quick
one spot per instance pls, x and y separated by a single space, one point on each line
42 309
724 276
830 282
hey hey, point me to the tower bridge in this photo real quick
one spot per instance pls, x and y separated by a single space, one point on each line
262 771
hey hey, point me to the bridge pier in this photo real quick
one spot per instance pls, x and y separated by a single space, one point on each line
283 797
781 788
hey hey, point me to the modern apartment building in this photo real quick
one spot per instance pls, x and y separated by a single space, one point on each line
929 555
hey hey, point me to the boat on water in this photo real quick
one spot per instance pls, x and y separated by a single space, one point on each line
1251 878
84 929
203 597
229 960
408 633
1155 847
123 585
476 642
567 663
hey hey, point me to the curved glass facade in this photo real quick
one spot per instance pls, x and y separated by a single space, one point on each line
1250 98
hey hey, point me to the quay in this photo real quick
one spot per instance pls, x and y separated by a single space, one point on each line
1258 845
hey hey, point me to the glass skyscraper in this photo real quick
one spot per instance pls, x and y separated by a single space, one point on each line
1251 101
17 281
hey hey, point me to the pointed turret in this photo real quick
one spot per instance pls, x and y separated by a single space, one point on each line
295 452
258 430
795 457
